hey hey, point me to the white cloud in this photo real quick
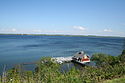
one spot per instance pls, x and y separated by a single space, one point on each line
8 30
37 31
79 28
107 30
13 30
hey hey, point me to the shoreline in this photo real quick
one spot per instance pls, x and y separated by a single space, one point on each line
107 69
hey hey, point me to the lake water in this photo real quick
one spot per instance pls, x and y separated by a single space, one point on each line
16 49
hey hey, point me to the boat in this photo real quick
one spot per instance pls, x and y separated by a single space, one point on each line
81 58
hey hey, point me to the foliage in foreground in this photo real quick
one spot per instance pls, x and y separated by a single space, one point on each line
47 71
116 80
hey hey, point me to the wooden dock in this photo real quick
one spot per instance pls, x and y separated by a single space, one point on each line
62 59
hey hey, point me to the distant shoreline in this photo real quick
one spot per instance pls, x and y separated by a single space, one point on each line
64 35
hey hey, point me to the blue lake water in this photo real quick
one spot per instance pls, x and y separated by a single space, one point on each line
15 49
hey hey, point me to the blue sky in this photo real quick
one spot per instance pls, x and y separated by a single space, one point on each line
76 17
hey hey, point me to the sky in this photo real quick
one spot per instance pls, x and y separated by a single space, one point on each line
71 17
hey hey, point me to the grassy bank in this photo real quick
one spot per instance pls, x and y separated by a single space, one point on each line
47 71
116 80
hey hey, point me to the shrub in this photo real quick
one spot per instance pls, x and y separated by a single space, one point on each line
104 59
122 56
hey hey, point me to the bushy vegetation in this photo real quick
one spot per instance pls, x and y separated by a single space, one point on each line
103 59
116 80
47 71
